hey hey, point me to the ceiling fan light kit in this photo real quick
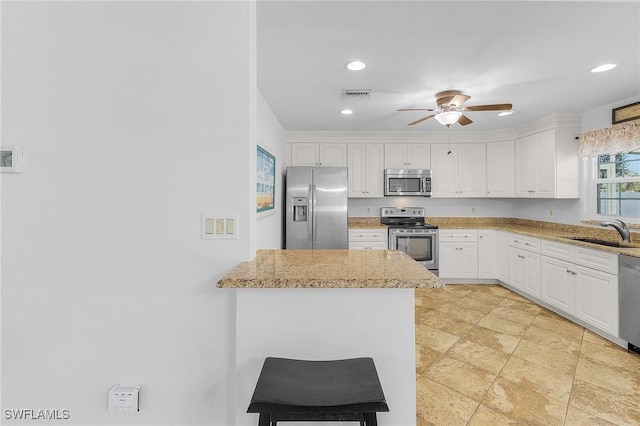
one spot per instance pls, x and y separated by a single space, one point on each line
447 118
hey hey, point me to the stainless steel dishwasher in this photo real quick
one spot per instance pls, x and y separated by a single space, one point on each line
629 296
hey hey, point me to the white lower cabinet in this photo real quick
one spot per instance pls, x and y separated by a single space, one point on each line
487 254
524 264
581 282
556 279
368 239
502 256
458 253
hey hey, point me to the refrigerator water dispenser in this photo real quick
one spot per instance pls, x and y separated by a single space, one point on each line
299 209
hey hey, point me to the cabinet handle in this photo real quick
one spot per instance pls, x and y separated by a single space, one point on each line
520 256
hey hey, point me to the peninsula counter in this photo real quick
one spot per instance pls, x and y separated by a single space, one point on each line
329 304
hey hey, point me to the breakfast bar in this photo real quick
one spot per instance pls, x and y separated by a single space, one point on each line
329 305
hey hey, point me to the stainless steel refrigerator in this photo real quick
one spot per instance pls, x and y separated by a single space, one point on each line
316 204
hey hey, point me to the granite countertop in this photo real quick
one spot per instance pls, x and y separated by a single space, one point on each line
552 231
330 269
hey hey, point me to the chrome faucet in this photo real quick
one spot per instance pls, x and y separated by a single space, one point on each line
622 229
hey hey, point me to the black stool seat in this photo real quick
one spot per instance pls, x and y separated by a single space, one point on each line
300 390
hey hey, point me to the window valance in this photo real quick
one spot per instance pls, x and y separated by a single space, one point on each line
619 138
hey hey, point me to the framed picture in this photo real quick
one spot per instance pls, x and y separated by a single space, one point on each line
10 159
625 113
265 182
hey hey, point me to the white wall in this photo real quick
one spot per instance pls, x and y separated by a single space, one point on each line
135 118
600 118
271 137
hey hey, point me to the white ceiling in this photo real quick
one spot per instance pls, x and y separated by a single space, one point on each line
535 55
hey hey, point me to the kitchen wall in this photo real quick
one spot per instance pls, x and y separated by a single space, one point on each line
135 118
271 137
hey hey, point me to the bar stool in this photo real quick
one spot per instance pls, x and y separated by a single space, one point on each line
301 390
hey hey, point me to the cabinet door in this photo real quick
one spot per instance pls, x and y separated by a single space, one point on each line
444 170
333 155
419 156
556 283
502 256
304 154
472 170
467 260
545 163
596 299
500 169
516 268
487 254
448 260
395 156
524 166
357 170
375 170
531 274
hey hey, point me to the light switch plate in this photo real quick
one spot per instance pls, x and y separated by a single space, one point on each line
219 226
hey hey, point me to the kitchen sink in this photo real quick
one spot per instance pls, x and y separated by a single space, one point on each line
608 243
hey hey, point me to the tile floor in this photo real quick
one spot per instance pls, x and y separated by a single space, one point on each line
487 356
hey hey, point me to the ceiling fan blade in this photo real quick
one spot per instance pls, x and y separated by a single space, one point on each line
464 120
421 120
416 109
452 98
495 107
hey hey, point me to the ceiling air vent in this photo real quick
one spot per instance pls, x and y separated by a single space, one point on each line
355 93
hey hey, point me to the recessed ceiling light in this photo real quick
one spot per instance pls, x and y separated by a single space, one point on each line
504 113
605 67
356 66
346 112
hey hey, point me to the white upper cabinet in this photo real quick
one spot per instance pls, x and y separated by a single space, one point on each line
459 170
547 164
500 169
407 156
319 154
366 170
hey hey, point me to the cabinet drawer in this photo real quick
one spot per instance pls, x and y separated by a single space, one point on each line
524 243
596 259
368 235
556 250
367 245
458 235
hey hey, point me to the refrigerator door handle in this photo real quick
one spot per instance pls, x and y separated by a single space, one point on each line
314 211
310 213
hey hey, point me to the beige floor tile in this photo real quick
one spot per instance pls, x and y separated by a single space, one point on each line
439 405
616 408
523 317
477 304
521 305
554 359
615 380
485 416
460 376
577 417
435 339
611 355
548 382
551 339
503 325
443 322
523 404
460 313
424 358
553 322
501 342
484 357
517 297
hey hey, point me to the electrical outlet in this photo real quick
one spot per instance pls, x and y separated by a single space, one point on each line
369 209
550 212
124 398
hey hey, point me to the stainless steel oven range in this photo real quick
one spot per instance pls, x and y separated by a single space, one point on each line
409 232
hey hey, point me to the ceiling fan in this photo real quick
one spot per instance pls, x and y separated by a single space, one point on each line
450 109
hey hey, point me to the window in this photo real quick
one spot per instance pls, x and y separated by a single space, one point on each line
618 185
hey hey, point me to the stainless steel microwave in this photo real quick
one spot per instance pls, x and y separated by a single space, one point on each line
407 182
